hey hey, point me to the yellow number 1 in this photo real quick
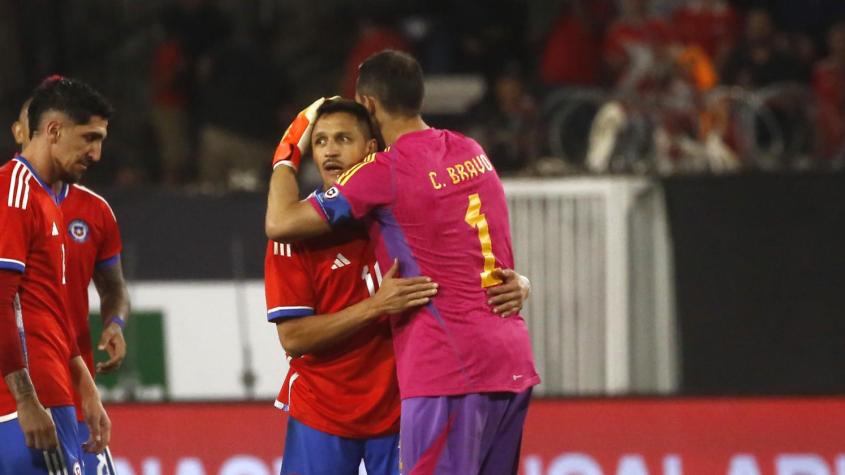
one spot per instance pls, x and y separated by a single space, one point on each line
477 220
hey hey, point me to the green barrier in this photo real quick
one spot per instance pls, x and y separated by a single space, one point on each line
143 375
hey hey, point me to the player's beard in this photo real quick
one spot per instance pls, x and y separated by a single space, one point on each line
70 175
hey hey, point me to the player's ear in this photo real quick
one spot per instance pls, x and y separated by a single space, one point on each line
368 102
17 132
53 128
372 146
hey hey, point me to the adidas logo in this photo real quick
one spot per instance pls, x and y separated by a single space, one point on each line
340 261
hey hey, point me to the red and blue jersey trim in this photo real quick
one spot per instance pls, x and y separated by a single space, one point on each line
46 187
108 262
12 264
280 313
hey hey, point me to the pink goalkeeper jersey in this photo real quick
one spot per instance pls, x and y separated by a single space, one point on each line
434 201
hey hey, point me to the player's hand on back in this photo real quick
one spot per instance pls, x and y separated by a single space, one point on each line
508 297
37 425
396 294
113 343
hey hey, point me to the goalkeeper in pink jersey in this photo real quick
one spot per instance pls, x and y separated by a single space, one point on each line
434 201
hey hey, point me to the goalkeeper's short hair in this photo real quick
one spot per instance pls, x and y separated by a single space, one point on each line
395 79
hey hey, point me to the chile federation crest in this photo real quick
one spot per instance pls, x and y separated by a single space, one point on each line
78 230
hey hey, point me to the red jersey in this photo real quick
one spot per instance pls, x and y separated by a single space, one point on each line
92 241
624 37
351 390
32 243
829 88
435 202
636 45
714 26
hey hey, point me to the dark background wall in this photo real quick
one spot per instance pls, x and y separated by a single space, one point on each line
759 266
169 235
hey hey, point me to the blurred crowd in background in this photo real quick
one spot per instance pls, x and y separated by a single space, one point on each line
204 88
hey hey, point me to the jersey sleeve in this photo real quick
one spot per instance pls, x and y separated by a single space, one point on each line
11 342
16 223
287 283
359 190
108 252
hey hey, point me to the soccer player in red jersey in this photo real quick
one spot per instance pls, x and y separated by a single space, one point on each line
341 355
92 251
39 357
434 201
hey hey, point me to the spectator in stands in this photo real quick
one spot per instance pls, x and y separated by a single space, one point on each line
829 89
376 33
759 60
241 96
505 121
581 23
636 48
712 25
196 27
169 106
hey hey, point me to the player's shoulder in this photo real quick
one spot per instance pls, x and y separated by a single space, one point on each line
433 139
377 157
454 136
88 195
18 185
11 167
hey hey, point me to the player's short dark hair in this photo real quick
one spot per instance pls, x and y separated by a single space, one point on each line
76 99
395 79
365 121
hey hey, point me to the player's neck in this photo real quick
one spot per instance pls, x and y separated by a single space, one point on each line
38 156
393 129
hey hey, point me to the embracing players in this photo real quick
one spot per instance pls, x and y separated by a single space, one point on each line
331 300
92 249
39 356
434 201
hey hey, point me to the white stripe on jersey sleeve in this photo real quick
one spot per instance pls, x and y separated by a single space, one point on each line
12 183
22 182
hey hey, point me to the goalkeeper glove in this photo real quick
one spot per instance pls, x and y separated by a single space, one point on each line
297 137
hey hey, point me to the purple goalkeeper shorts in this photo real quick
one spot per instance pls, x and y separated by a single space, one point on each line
468 435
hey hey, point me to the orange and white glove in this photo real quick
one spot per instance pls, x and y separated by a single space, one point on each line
297 138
